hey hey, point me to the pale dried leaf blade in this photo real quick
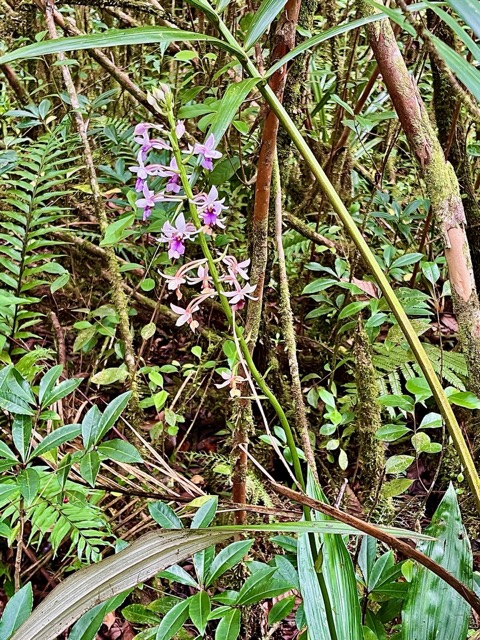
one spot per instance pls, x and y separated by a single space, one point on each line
149 555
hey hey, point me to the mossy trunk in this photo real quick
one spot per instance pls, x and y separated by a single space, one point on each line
442 188
371 451
453 138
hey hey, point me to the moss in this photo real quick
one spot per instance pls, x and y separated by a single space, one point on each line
371 450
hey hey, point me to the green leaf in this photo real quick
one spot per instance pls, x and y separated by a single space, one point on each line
29 483
227 558
59 282
62 390
91 426
173 621
465 72
433 609
264 16
57 438
420 388
281 610
352 309
48 381
200 607
112 413
21 434
16 611
338 575
322 37
464 399
431 421
117 231
89 624
229 626
313 601
261 585
148 330
398 464
139 614
177 574
113 38
395 487
229 105
422 443
120 451
164 515
89 467
397 401
6 452
469 11
406 260
391 432
135 564
205 514
111 375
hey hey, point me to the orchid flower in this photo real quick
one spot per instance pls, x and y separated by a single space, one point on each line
238 296
176 235
237 268
149 200
209 208
146 144
175 281
207 152
231 380
204 277
186 315
180 129
173 185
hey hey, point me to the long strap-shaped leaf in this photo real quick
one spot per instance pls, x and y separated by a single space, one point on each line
149 555
433 609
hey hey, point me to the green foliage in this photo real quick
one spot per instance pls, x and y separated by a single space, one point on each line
30 192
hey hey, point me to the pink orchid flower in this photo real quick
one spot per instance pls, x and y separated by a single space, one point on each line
176 235
231 380
237 268
207 152
209 208
238 296
171 172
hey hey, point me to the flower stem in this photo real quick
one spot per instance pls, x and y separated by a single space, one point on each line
226 307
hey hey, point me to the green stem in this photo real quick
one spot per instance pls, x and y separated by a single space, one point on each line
369 258
227 309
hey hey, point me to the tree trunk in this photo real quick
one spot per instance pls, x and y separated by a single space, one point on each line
441 184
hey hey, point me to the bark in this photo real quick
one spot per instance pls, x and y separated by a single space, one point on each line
453 138
441 184
284 41
14 81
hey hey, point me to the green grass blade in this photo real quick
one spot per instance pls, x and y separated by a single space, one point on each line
264 16
112 38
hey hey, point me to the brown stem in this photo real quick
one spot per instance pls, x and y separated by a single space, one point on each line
288 329
399 545
303 229
284 42
13 80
